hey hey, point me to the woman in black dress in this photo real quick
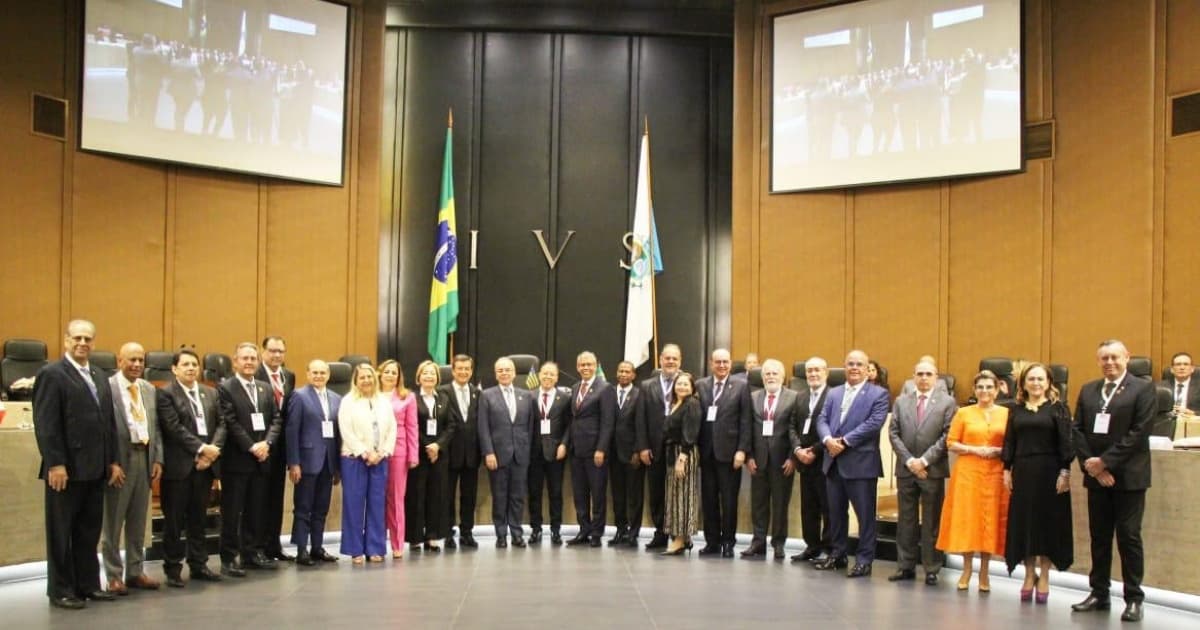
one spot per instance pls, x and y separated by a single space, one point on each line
681 428
1037 458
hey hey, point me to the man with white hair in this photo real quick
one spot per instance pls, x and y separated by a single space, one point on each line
770 460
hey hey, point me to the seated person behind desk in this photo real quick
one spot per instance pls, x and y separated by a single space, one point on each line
1184 385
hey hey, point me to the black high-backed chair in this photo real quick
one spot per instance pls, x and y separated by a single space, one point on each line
1164 417
445 374
1062 376
950 382
104 361
1167 374
1002 367
524 364
158 366
754 379
22 359
340 377
738 367
356 359
1141 367
837 376
217 367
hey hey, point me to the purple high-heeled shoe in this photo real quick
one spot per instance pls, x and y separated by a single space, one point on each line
1026 594
1042 597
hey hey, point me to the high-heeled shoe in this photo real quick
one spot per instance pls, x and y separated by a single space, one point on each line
672 550
1026 594
964 582
1042 597
358 559
984 587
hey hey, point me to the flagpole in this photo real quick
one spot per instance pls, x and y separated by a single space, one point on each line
450 125
653 230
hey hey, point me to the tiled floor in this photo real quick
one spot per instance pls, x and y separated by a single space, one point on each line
568 588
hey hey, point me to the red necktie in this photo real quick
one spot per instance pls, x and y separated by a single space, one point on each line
277 387
583 388
921 409
545 404
771 407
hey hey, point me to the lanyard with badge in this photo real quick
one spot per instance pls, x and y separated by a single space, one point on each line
431 428
1102 419
257 422
544 403
712 409
326 423
198 414
768 429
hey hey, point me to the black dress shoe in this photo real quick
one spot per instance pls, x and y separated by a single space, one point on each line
70 603
659 541
535 537
282 556
450 544
1133 612
323 556
808 555
830 563
710 550
1092 603
174 580
204 573
578 540
779 555
859 570
100 596
304 559
230 569
596 542
467 540
518 542
631 542
756 548
501 543
727 550
555 538
931 579
260 561
619 539
902 574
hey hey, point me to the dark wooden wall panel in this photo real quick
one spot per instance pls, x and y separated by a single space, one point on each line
595 184
514 194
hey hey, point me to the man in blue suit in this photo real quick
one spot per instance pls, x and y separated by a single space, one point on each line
506 416
313 445
594 412
849 427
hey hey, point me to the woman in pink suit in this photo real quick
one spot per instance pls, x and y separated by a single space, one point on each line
404 406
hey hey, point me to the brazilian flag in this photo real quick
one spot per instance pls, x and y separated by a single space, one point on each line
443 296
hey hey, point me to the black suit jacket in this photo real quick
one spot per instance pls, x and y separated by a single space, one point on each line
177 421
592 421
652 414
802 420
776 449
559 416
625 430
72 428
1193 392
730 432
447 425
464 446
1125 448
236 409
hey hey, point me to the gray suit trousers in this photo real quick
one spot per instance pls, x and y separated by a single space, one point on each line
126 509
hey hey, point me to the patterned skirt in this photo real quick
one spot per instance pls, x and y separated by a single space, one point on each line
682 514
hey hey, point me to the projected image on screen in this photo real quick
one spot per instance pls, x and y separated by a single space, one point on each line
243 85
893 90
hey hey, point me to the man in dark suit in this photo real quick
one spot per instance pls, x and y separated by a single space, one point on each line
849 428
593 415
313 447
920 422
463 456
192 439
1113 418
724 441
252 424
505 438
657 394
814 500
283 383
1184 384
73 424
139 451
770 462
626 469
547 458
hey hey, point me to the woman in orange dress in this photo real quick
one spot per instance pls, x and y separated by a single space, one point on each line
975 513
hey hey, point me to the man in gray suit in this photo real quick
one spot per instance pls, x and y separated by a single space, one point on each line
140 453
506 417
770 460
920 421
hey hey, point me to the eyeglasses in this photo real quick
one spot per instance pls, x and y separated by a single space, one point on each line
924 373
81 339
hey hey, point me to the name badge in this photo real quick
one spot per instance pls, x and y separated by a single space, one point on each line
807 425
1101 426
201 427
768 428
257 422
546 426
431 427
712 413
326 429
